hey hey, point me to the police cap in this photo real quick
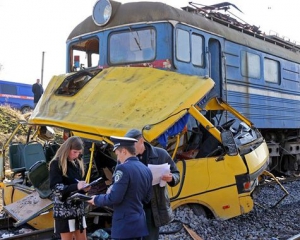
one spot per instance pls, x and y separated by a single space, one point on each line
122 141
133 133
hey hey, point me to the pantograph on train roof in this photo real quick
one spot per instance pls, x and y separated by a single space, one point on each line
213 13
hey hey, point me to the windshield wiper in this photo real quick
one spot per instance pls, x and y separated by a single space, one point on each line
135 39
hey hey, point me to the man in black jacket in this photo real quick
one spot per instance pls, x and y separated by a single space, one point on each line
37 90
158 211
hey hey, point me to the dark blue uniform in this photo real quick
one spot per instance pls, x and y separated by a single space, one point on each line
131 189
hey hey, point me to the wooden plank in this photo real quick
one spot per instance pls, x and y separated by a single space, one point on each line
193 234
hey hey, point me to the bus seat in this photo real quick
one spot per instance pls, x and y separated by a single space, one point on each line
50 149
38 176
33 152
16 158
192 147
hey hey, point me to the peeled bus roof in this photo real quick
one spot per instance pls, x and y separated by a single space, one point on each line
121 98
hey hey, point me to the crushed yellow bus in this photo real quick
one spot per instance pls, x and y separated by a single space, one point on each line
219 153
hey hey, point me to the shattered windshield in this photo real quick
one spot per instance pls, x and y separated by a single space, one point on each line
84 54
132 46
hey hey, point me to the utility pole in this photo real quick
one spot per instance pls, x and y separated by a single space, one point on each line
42 73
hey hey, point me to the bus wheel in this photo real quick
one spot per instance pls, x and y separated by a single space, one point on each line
198 210
25 110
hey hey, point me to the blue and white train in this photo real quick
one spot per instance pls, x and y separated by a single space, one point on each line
255 73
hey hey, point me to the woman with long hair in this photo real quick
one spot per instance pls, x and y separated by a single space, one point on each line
66 177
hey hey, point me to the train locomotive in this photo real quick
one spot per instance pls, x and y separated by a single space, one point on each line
258 74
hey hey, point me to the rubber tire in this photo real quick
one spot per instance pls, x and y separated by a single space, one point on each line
198 210
25 110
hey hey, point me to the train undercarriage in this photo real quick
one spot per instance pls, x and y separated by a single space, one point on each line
284 149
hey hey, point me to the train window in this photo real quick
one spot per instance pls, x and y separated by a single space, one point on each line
197 50
132 46
250 65
271 70
183 45
84 54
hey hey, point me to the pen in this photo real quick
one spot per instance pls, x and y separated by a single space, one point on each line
79 181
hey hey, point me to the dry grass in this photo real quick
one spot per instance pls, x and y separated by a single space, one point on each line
9 119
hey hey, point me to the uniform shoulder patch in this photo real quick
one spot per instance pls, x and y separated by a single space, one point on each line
118 175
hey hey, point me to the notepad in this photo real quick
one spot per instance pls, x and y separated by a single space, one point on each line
80 197
93 183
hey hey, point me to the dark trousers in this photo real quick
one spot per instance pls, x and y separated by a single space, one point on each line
153 230
127 238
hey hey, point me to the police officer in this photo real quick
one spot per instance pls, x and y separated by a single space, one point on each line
131 189
158 210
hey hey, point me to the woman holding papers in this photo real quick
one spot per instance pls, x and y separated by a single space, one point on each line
66 174
158 211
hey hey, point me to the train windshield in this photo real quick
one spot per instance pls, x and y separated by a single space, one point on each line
132 46
84 54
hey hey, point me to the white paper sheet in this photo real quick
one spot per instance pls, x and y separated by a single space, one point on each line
158 171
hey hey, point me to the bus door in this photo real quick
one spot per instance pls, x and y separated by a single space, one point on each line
215 63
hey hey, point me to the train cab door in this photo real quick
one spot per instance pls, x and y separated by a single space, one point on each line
215 63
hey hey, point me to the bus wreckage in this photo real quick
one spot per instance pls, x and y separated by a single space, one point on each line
219 153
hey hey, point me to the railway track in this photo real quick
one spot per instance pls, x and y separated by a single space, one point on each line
45 234
24 232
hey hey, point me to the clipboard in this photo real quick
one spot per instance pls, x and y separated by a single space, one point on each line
80 197
93 183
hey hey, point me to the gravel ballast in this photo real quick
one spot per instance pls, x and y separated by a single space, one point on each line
264 222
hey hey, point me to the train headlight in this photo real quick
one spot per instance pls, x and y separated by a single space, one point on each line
102 12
